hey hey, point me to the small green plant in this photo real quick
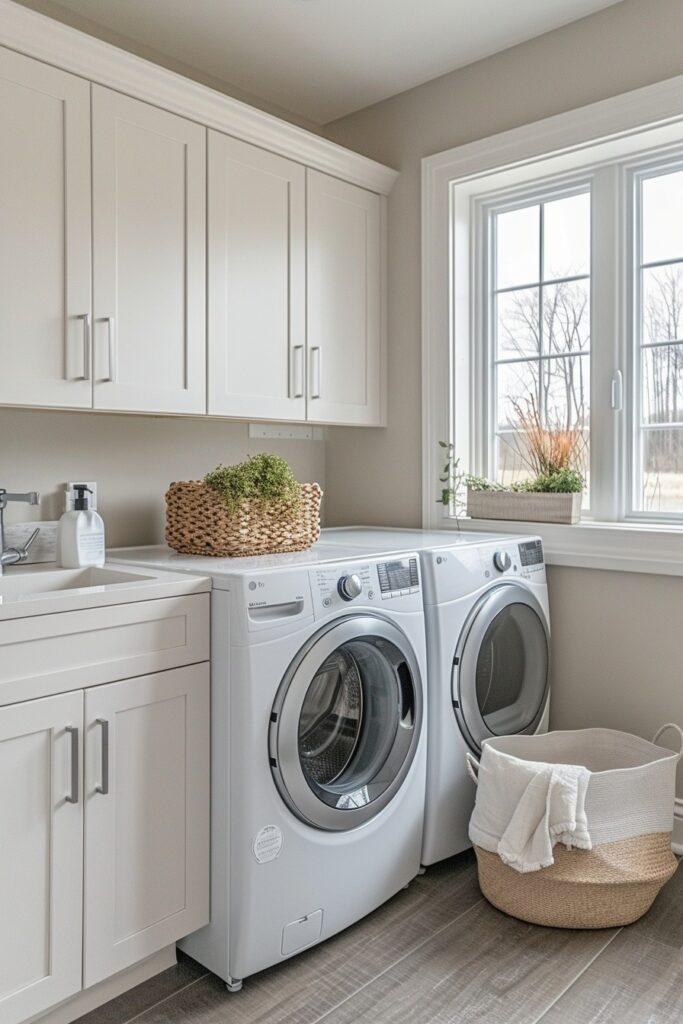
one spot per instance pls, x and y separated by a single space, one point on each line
260 478
480 483
563 481
452 479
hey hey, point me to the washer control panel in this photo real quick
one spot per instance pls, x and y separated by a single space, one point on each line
344 586
398 577
531 553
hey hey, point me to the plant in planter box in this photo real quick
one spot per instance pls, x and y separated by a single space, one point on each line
554 492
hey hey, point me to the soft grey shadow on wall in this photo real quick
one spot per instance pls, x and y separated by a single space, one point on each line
132 458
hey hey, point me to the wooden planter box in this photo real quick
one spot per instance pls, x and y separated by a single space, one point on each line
526 507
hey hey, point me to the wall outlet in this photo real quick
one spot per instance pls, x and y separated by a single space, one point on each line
287 431
70 496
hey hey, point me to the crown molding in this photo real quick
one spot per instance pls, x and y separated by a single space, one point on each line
70 50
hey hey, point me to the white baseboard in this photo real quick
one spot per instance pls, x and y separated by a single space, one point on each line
677 841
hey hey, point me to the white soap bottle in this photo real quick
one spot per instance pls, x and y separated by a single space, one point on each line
81 533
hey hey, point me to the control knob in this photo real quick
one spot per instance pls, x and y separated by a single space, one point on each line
349 587
502 561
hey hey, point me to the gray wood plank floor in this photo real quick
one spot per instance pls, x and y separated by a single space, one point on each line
438 953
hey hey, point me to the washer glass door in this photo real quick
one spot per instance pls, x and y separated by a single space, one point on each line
346 722
501 669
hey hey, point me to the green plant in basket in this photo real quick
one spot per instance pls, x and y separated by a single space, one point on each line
263 479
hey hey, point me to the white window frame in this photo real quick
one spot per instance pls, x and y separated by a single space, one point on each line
619 131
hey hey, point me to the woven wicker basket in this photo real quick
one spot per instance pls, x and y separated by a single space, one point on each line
629 803
607 887
198 523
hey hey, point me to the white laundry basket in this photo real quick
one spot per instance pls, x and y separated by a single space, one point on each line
629 805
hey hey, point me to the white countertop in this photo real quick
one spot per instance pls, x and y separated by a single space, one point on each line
162 557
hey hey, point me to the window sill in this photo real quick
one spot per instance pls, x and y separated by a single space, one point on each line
621 547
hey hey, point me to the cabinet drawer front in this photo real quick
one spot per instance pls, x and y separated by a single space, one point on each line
146 816
41 854
50 653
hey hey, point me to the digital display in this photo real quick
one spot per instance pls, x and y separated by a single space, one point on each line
531 553
401 574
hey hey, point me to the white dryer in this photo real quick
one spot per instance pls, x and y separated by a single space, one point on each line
488 656
318 746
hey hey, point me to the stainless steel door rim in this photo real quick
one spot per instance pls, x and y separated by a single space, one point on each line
467 653
332 806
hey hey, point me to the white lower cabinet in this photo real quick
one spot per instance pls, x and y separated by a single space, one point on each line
146 816
41 854
104 833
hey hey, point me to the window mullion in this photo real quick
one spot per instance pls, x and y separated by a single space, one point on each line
607 355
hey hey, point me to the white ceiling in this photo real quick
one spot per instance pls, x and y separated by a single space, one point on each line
322 59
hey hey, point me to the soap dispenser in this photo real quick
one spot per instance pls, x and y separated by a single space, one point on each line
81 533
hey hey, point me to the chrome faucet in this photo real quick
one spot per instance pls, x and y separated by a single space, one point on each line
11 556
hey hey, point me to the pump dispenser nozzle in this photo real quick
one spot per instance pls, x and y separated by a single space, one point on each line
81 503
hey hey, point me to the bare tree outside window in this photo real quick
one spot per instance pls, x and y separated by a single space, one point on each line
542 324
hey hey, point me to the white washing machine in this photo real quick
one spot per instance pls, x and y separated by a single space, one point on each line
488 656
318 746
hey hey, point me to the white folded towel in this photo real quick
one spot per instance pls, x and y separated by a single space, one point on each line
551 809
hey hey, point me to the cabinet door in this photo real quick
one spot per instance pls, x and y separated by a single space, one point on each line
44 235
344 284
146 816
257 284
41 855
149 220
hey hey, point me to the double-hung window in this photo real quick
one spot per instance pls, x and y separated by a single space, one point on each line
566 292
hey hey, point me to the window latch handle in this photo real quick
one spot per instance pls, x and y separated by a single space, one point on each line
617 391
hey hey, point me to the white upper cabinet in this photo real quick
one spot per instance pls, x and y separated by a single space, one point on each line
344 302
110 203
149 289
41 854
44 235
257 283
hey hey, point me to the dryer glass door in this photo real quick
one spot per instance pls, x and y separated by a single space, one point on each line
346 723
501 670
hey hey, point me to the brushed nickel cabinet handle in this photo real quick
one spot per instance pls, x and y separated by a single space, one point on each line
85 320
73 796
103 787
316 368
297 390
112 351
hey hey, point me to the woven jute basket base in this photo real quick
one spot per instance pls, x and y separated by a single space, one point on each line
612 885
198 523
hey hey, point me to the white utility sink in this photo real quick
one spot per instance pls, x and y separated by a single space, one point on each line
42 589
17 585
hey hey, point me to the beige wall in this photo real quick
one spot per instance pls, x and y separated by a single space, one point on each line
617 656
133 459
616 651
